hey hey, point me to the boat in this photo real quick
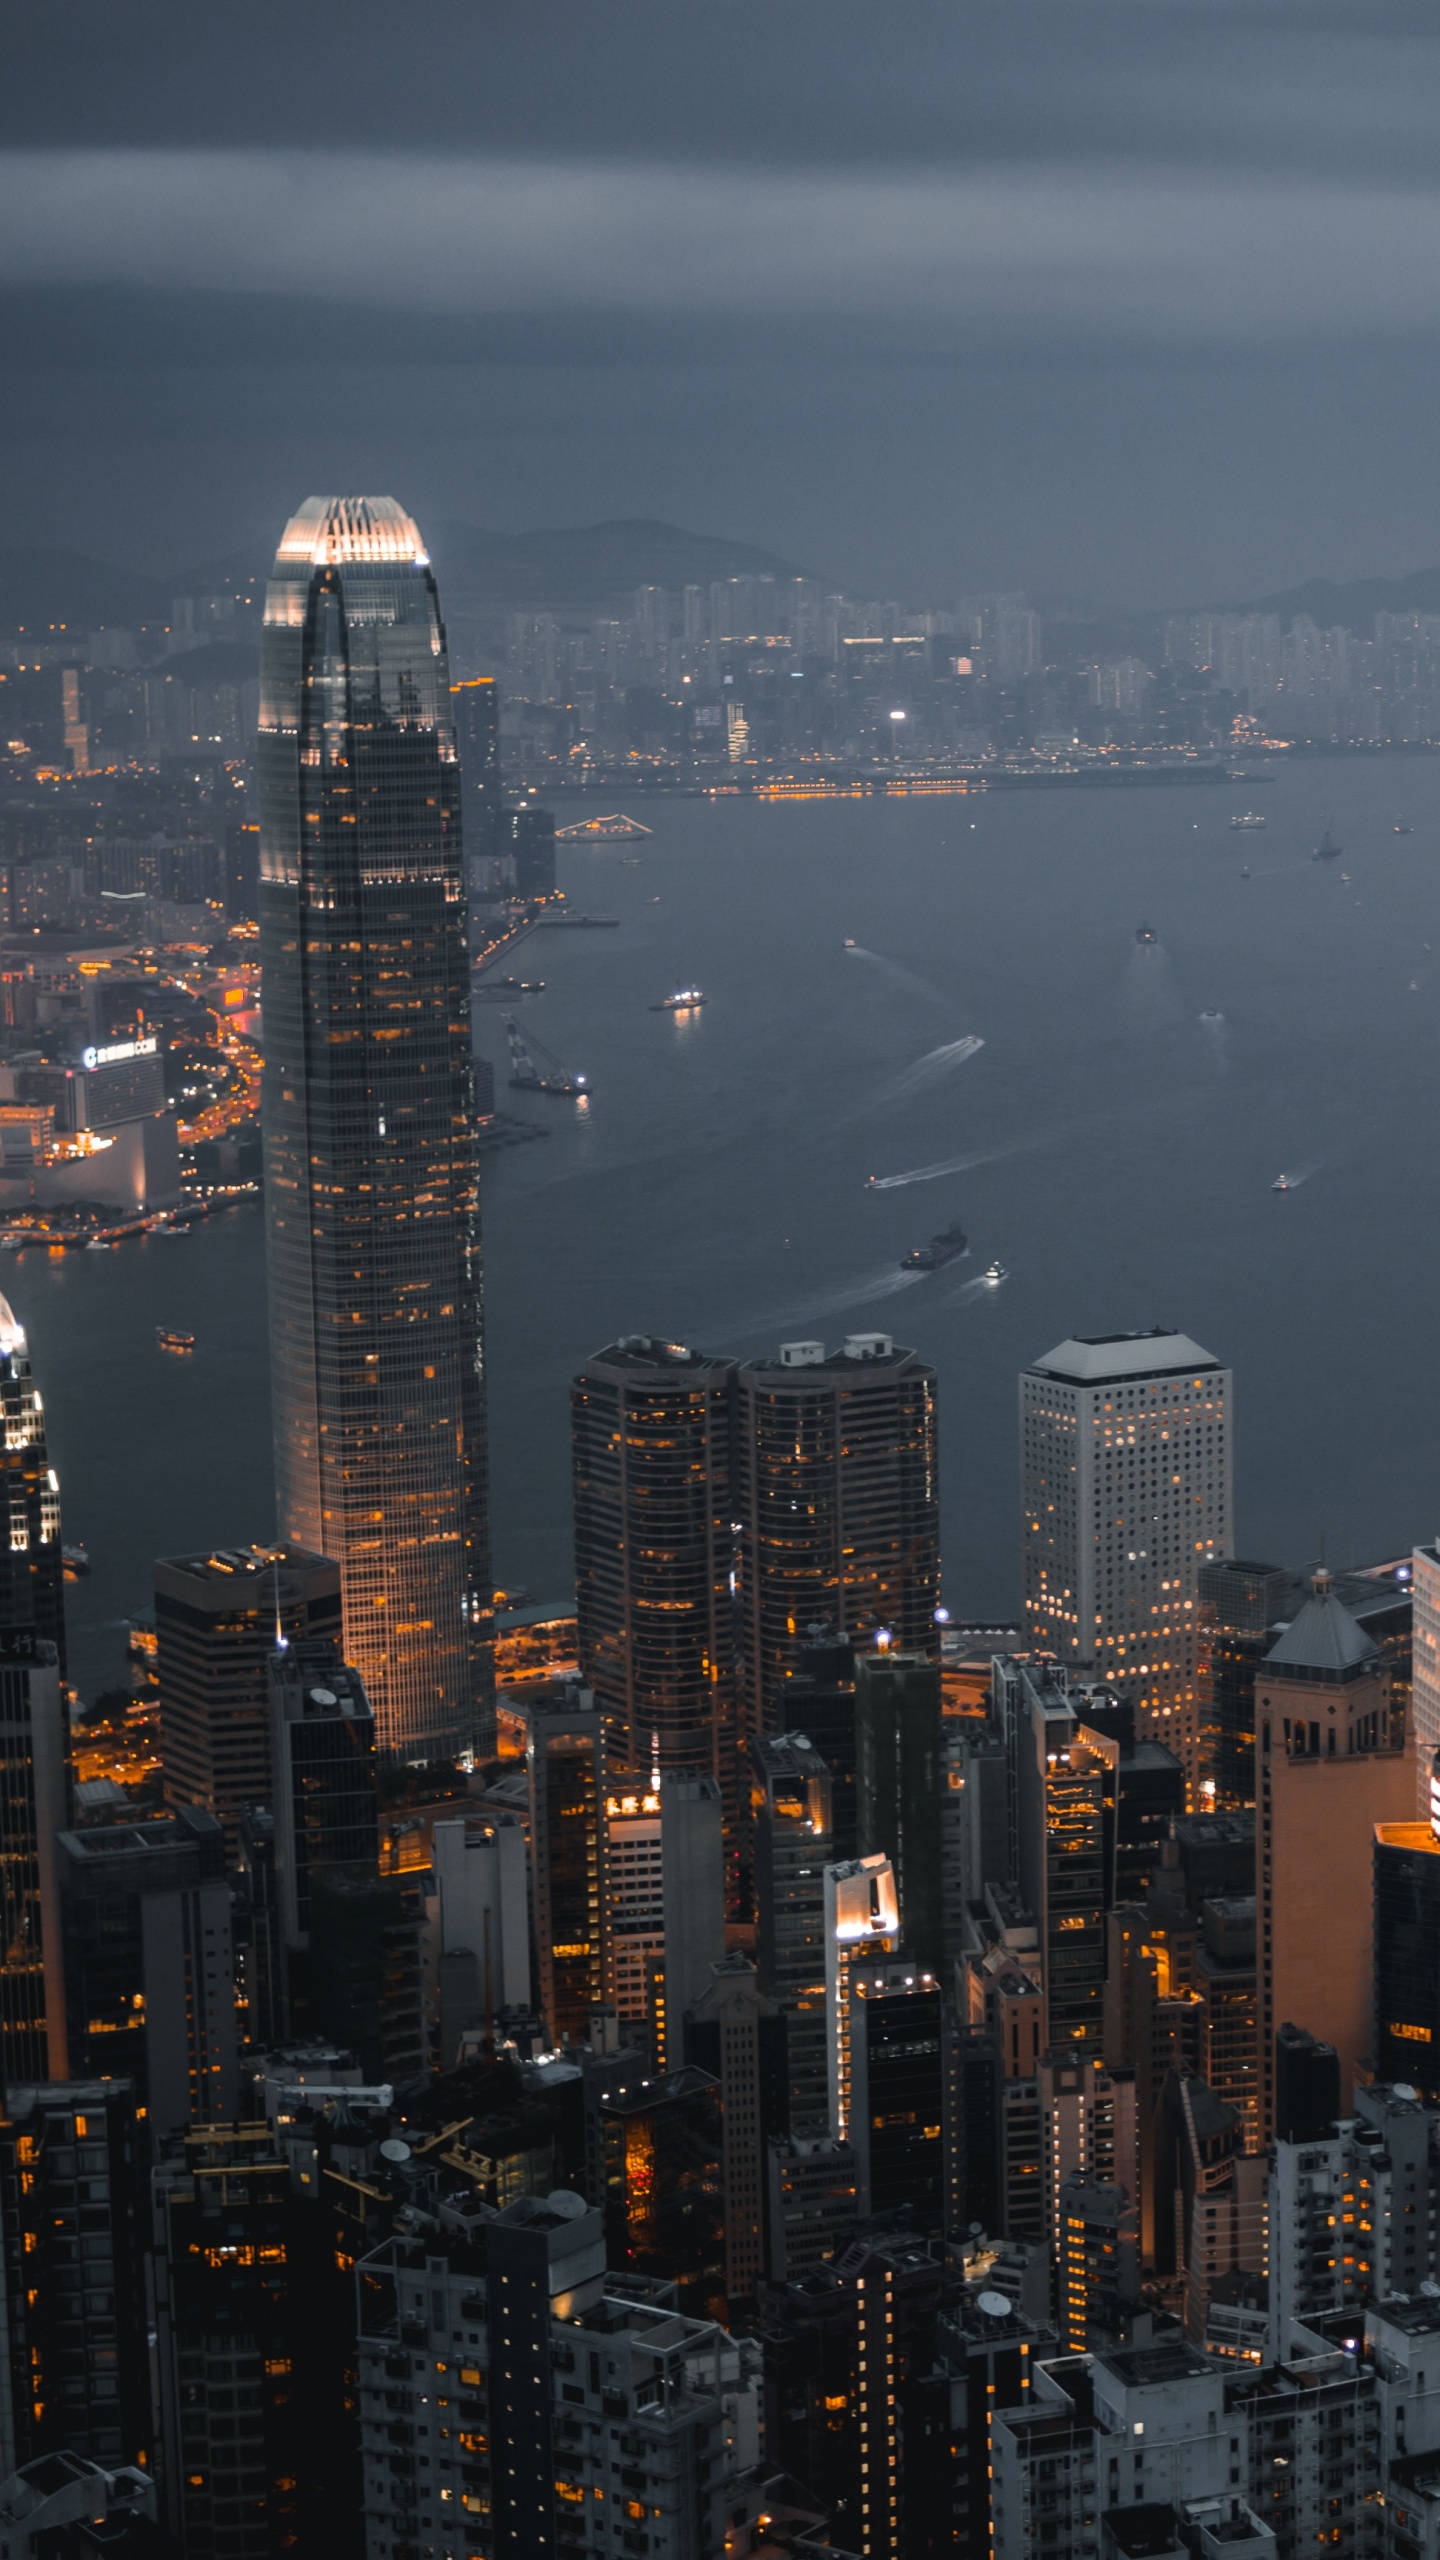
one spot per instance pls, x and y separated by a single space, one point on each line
180 1345
1327 850
1246 819
1282 1182
616 829
75 1561
1402 826
995 1272
684 1000
502 987
1212 1017
553 1077
948 1246
97 1244
596 924
1146 933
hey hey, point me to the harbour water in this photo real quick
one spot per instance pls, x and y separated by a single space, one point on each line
1112 1149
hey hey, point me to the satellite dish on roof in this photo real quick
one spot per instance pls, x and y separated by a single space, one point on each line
396 2151
996 2306
564 2201
324 1698
1403 2089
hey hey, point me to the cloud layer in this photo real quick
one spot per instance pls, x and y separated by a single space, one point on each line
1133 252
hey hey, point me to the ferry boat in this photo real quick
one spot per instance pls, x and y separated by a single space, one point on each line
948 1246
684 1000
1246 819
614 829
1282 1183
180 1345
995 1273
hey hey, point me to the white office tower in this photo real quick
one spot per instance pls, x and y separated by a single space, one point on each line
1126 1480
665 1885
862 1921
482 1880
1425 1587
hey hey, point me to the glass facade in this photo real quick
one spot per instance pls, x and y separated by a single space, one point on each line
371 1166
32 1573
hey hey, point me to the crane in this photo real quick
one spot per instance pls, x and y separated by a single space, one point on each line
553 1077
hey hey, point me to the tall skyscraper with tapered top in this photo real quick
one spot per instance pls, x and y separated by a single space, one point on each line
371 1183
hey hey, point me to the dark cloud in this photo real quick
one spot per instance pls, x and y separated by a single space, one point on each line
1125 294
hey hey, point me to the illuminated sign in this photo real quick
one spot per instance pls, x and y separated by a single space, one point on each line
1413 2035
117 1053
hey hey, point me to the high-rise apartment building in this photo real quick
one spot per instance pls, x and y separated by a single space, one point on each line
218 1617
371 1166
1126 1473
838 1490
665 1901
652 1438
1333 1759
72 2305
862 1923
475 707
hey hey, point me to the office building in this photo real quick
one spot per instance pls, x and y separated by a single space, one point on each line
737 2037
900 2110
1425 1588
528 836
365 1985
482 1880
33 1811
652 1441
565 1758
218 1617
665 1902
1065 1796
1333 1760
1240 1607
814 2203
72 2193
1407 1949
862 1923
793 1846
818 1700
322 1747
899 1787
663 2151
1307 2085
1126 1471
475 710
32 1574
371 1169
150 1966
838 1490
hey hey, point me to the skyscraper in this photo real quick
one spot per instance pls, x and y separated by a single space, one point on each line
567 1847
838 1490
372 1195
217 1617
651 1427
32 1573
1126 1472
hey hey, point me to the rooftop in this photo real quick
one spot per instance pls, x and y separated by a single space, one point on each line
1324 1638
1094 1359
334 531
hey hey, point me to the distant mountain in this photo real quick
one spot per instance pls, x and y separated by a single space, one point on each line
41 587
587 564
1353 603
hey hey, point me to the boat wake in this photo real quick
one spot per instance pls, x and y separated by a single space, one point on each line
928 1070
955 1164
891 969
868 1291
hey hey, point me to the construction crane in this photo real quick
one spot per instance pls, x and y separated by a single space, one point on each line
551 1078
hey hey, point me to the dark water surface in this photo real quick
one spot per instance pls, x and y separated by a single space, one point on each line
1118 1156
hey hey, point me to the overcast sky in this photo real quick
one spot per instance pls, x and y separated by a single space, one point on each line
1136 302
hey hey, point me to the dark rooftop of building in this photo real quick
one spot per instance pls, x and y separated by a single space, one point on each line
648 1354
1143 2533
1417 2315
1167 2360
